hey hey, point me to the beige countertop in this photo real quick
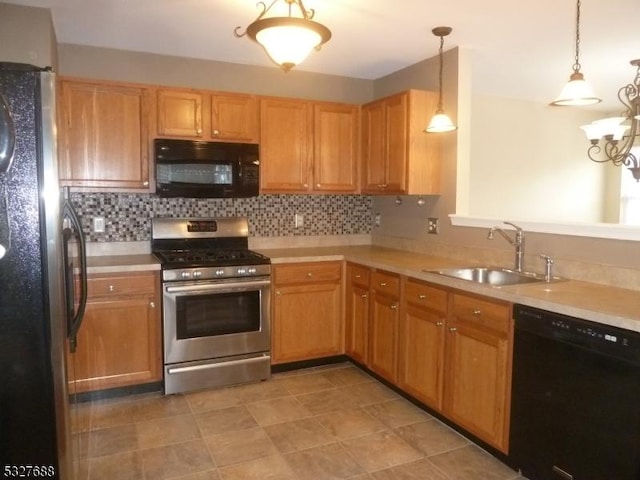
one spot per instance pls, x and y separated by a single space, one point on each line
599 303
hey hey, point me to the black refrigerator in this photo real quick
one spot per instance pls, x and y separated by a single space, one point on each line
42 285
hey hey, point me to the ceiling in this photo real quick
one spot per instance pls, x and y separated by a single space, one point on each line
518 49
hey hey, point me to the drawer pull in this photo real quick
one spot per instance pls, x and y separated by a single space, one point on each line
364 295
383 284
216 132
357 276
477 313
422 296
278 292
393 307
439 324
112 288
152 304
453 329
309 274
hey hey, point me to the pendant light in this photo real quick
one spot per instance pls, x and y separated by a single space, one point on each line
577 92
440 122
287 40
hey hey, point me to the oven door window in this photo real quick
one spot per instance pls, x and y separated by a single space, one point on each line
217 314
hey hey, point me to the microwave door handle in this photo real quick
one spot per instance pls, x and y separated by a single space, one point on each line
79 314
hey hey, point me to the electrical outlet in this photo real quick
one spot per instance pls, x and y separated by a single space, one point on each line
432 225
298 220
98 224
377 220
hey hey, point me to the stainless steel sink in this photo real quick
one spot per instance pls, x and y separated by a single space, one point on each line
494 276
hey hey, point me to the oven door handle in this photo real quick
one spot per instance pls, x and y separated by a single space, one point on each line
212 287
194 368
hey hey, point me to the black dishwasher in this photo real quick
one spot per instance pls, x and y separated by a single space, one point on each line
575 405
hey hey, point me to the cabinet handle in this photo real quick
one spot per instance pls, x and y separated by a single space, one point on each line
309 274
357 276
364 295
453 329
152 304
393 307
318 185
199 131
422 296
112 288
383 284
216 132
278 292
305 185
145 183
439 324
477 313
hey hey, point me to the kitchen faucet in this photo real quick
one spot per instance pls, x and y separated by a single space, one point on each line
517 242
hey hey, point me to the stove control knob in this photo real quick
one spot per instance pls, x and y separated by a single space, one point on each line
219 272
251 271
197 274
242 271
185 274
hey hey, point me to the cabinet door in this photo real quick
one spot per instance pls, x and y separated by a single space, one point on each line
180 113
357 323
307 322
478 376
396 135
285 145
374 153
335 159
235 118
103 135
118 344
383 336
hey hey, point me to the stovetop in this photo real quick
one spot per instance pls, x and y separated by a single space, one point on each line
209 258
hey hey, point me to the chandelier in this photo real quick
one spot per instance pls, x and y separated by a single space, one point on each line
440 122
577 91
287 40
619 133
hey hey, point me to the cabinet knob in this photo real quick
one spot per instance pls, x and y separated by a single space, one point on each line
112 288
305 185
477 313
216 132
199 131
278 292
453 329
422 296
439 324
309 274
394 306
152 304
145 183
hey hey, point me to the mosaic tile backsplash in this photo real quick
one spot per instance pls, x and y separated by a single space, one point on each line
128 215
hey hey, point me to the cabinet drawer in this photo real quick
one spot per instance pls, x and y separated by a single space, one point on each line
423 295
307 273
122 285
485 313
359 275
386 283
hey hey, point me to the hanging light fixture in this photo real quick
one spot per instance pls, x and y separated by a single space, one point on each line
440 122
619 133
287 40
577 91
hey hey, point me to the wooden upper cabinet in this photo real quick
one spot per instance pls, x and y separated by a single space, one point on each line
235 118
335 154
180 113
398 156
103 134
285 145
308 147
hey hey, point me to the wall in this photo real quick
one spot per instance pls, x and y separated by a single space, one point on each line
27 36
120 65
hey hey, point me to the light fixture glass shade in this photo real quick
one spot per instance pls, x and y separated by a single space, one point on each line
575 93
440 123
288 45
593 131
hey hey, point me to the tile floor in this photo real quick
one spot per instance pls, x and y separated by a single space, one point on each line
323 423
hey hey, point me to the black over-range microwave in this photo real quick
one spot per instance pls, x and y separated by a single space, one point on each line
196 169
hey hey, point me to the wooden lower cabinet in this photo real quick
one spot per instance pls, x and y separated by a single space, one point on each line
478 373
383 326
307 317
357 313
119 342
422 336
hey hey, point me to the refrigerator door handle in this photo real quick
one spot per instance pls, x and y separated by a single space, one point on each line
76 320
7 135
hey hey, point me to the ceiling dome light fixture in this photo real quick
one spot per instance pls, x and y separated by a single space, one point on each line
577 92
440 122
619 133
287 40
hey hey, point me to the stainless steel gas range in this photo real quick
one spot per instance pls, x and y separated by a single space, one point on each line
215 309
